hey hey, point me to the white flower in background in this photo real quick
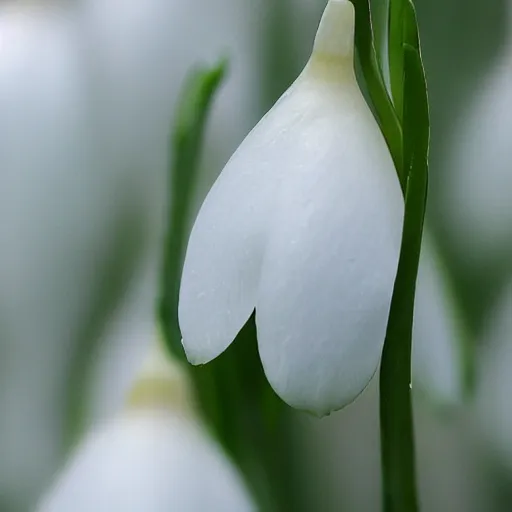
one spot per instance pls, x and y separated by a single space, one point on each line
154 457
438 333
59 209
304 224
478 184
494 405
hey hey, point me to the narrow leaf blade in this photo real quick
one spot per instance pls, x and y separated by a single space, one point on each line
196 100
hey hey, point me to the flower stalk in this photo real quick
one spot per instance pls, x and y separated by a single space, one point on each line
410 154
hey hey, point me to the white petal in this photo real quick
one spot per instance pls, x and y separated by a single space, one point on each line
151 461
437 362
222 265
329 267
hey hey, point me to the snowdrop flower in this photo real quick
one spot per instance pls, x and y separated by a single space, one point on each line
153 457
438 333
304 224
494 407
477 188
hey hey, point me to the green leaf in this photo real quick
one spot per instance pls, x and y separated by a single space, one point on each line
198 94
396 52
395 378
415 92
385 112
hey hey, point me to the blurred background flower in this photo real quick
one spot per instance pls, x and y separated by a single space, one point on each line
58 279
88 91
155 455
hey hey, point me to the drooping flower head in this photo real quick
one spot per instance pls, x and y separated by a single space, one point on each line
154 457
303 225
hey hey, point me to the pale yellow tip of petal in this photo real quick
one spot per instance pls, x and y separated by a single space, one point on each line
162 383
335 35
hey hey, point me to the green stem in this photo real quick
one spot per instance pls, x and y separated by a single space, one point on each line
397 438
405 125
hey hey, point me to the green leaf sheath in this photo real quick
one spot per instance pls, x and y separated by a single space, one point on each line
384 109
397 439
197 97
396 53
